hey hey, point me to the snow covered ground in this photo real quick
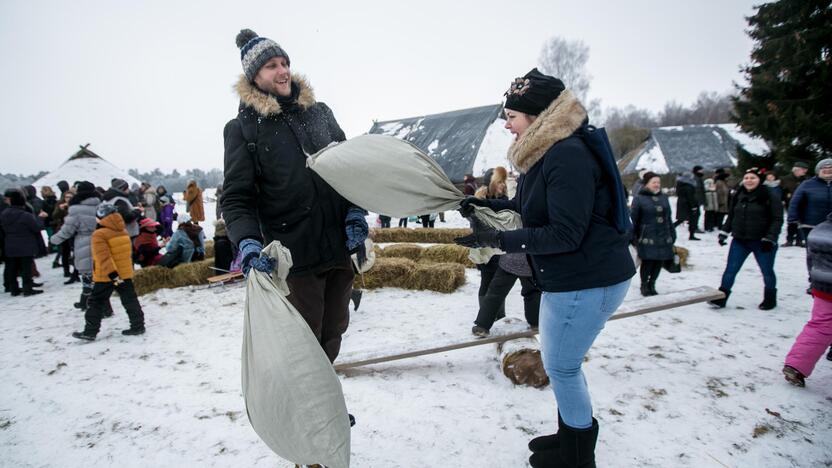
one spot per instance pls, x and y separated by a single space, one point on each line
692 386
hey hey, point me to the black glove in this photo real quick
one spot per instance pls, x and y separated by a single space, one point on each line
483 236
722 238
466 206
767 245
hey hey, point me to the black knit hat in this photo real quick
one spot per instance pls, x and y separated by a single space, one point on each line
63 185
15 197
533 93
85 188
255 51
119 184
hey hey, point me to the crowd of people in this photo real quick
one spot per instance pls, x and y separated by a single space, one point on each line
98 236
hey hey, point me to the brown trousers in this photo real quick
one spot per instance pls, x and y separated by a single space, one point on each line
323 301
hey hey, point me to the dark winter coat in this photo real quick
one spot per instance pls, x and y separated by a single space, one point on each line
686 202
754 215
652 227
79 224
789 184
820 251
566 205
21 232
811 202
49 204
128 212
723 194
268 192
700 189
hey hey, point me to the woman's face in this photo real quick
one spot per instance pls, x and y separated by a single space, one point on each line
654 184
517 122
67 197
750 181
770 177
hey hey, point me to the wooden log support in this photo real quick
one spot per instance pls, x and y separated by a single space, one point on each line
450 342
521 362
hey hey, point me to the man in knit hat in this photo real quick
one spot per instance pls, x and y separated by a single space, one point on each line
789 184
118 195
269 193
812 202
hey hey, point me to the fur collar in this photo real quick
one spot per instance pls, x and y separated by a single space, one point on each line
266 104
557 122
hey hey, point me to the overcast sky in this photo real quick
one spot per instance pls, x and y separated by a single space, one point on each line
149 83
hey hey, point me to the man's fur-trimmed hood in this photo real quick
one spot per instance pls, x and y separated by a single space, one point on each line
557 122
266 104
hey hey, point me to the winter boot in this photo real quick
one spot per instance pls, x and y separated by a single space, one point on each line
693 238
645 289
720 303
794 377
576 448
83 336
73 278
769 299
480 331
546 442
133 331
31 292
355 295
829 355
352 419
652 286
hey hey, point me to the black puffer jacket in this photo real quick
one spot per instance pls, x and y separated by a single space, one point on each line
566 202
754 215
21 232
268 192
820 252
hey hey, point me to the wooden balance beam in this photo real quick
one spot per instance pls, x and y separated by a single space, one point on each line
450 342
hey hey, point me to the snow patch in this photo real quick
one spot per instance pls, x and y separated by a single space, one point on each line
653 160
493 151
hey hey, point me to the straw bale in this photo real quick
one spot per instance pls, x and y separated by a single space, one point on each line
428 236
411 251
446 253
440 277
209 248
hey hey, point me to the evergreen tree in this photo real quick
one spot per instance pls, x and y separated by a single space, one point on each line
786 101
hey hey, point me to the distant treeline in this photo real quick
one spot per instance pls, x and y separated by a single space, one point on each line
177 182
18 180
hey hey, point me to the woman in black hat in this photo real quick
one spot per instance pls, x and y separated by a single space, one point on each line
576 231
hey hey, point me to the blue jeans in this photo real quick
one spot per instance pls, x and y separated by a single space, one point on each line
739 251
569 323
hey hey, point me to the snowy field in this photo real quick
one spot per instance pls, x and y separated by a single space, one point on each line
690 387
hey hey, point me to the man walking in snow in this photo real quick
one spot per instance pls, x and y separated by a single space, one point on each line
269 193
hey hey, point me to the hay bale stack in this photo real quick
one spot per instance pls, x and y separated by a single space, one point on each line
209 249
428 236
521 362
409 251
150 279
404 273
446 253
387 272
440 277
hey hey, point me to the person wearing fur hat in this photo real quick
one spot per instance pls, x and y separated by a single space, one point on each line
575 234
811 203
653 231
78 226
21 236
270 194
112 271
755 218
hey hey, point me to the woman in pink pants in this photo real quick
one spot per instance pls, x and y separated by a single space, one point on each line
816 336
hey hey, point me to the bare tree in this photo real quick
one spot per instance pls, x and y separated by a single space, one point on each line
566 60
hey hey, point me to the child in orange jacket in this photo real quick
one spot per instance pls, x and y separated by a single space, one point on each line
112 269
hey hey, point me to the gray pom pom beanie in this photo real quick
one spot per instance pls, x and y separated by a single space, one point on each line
256 51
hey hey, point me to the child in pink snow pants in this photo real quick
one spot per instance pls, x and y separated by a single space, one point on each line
817 333
815 338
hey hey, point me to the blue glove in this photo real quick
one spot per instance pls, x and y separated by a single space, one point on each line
357 229
253 257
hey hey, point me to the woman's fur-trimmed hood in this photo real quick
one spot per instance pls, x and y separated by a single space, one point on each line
264 103
557 122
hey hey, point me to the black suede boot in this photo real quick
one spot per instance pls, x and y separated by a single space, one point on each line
546 442
355 295
576 448
721 302
769 299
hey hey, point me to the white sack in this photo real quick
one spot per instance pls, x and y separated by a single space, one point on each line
385 175
293 398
